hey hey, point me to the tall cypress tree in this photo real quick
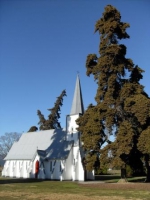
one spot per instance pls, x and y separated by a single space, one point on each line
118 99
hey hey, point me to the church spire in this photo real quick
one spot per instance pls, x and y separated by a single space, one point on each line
77 104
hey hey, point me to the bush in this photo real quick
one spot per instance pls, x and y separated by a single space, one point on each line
129 171
103 171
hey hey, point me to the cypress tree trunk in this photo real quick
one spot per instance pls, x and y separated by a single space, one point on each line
123 173
147 165
123 176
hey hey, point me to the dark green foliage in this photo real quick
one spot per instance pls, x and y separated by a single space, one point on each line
42 121
52 121
144 141
129 171
33 129
103 171
122 107
144 147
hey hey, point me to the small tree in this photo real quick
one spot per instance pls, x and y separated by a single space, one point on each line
6 142
33 129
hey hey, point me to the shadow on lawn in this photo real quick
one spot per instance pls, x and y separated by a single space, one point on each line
106 177
115 178
18 180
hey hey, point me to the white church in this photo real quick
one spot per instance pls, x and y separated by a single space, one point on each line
52 154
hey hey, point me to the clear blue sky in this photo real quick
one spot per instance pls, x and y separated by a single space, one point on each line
43 43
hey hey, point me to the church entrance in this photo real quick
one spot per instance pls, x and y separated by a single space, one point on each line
36 169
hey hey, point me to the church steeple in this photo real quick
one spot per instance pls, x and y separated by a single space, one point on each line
77 104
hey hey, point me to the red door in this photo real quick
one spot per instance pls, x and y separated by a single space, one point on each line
36 168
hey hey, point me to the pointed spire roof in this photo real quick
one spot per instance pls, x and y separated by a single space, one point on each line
77 104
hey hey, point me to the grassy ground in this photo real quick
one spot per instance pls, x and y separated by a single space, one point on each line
54 190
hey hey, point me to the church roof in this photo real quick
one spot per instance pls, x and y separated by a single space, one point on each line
56 152
77 104
52 142
2 162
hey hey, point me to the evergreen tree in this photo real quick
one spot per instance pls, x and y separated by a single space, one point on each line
42 121
52 121
122 106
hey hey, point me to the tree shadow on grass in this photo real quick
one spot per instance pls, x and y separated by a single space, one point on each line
19 180
107 177
115 178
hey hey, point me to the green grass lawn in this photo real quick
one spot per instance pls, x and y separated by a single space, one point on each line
31 189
